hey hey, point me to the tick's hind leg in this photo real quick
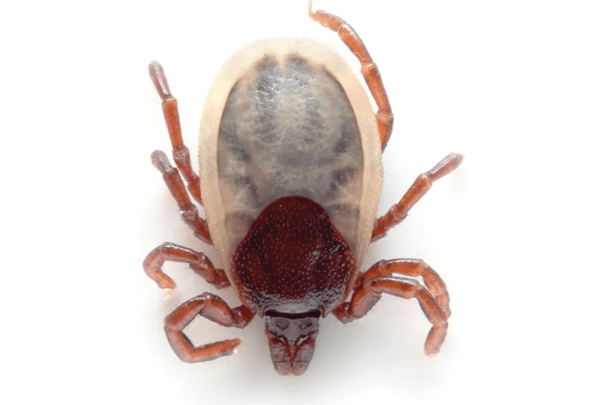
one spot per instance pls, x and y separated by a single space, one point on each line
181 154
377 281
187 210
198 262
369 70
211 307
421 185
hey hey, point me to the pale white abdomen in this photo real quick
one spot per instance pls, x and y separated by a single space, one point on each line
293 120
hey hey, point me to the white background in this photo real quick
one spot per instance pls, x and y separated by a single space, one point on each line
428 55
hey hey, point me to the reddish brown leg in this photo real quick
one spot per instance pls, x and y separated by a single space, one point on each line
211 307
413 268
187 210
422 184
369 70
181 154
198 262
369 290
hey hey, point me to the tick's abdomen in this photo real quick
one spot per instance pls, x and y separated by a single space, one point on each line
293 260
288 129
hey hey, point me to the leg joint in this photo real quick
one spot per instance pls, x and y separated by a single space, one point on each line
189 213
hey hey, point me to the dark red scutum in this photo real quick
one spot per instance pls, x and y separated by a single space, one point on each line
293 259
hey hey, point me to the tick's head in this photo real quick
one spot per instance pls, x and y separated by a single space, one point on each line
291 339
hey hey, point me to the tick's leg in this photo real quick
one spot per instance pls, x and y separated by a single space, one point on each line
369 291
187 210
181 154
422 184
198 262
211 307
369 70
413 268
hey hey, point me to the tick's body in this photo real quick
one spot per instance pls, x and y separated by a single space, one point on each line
286 127
290 162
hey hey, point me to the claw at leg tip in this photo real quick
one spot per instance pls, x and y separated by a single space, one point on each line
431 349
169 294
153 66
431 353
457 158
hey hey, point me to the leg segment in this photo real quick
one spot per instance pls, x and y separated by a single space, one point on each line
422 184
369 70
369 291
181 154
412 268
188 211
211 307
198 262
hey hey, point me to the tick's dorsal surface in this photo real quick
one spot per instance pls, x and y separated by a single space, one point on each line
289 118
288 129
293 260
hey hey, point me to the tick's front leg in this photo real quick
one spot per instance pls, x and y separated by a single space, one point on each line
412 268
211 307
369 289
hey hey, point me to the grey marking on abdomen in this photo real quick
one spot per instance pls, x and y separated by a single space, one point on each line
289 129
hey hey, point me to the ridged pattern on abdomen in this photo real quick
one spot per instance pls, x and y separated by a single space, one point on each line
288 129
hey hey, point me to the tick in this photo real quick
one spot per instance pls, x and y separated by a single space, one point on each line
290 163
